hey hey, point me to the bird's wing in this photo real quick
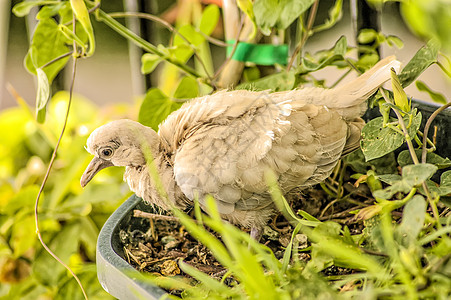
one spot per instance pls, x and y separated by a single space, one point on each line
228 157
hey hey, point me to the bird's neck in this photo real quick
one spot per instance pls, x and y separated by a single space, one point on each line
158 187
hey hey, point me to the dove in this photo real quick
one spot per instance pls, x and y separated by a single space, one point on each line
223 144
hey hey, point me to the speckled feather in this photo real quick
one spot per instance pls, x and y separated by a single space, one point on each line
222 145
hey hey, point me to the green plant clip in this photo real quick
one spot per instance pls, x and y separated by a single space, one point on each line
260 54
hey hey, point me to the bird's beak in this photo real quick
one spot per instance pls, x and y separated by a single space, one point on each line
94 166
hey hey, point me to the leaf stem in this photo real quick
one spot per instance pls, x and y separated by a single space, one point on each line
306 35
140 42
448 73
165 24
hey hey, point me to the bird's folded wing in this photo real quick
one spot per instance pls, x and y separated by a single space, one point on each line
227 158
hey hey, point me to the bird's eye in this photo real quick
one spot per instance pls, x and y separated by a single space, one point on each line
107 152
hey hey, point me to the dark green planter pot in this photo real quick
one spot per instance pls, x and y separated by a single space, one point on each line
122 281
115 274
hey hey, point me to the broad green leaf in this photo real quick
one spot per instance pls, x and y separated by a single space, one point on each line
413 217
335 14
183 47
417 174
82 15
47 44
278 13
190 34
404 159
149 62
282 81
437 97
155 108
378 140
188 88
444 188
429 19
398 93
23 8
209 19
412 175
425 57
43 95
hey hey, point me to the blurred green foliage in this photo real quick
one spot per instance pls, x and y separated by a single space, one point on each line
70 217
410 259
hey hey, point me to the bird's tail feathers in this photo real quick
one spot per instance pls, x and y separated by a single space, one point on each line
354 93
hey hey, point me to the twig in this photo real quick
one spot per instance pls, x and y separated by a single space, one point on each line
57 58
306 35
427 126
52 160
141 214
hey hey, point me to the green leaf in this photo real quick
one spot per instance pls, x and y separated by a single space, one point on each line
412 175
437 97
149 62
282 81
404 159
72 36
332 55
47 44
49 11
396 41
43 95
378 140
429 19
444 188
335 14
398 93
188 88
82 15
155 108
414 214
417 174
209 19
246 7
425 57
23 8
278 13
184 46
367 36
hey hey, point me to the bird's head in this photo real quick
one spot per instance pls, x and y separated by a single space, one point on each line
119 143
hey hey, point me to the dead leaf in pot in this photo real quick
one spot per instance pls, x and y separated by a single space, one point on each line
169 268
